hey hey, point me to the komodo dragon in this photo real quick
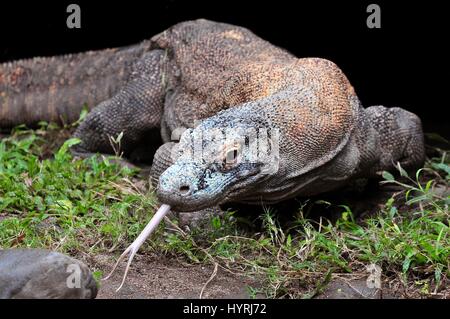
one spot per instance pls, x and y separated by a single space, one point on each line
208 77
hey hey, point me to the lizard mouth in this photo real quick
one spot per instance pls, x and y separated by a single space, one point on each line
185 195
179 203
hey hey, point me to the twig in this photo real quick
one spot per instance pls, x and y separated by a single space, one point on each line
210 279
61 242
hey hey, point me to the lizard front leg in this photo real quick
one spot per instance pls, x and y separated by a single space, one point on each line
133 111
400 138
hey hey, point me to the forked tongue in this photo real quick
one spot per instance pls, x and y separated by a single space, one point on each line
134 247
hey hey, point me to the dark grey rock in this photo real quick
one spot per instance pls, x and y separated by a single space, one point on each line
43 274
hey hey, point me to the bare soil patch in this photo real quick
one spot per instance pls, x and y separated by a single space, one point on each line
153 277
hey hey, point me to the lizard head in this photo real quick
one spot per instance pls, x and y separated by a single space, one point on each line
221 160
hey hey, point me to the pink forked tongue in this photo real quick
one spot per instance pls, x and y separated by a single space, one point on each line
134 247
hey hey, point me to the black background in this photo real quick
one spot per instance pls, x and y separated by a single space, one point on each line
405 63
173 308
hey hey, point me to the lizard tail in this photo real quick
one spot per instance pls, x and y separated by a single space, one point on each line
55 89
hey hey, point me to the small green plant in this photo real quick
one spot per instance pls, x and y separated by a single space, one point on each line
65 203
116 144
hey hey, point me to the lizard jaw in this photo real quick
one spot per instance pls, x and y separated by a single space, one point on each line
187 192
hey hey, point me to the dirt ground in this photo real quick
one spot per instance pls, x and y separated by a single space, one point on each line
153 277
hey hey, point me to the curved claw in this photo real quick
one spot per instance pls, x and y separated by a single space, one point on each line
134 247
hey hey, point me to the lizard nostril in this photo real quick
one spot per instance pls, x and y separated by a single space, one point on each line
184 189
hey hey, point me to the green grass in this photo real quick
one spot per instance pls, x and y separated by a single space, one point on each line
93 205
62 202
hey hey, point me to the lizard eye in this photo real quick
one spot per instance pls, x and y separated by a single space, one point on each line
231 157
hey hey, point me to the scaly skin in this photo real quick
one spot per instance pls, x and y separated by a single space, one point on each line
56 88
226 77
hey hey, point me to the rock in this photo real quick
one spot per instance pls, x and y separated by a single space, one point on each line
350 289
43 274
